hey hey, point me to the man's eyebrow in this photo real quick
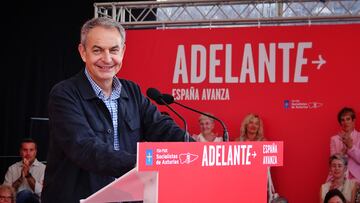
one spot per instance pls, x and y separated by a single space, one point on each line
96 47
116 46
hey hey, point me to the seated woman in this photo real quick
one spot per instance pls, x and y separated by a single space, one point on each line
251 129
334 196
206 127
337 167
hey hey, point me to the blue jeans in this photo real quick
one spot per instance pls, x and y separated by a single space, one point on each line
26 196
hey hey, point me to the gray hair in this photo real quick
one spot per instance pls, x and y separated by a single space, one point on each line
340 157
101 22
10 190
202 117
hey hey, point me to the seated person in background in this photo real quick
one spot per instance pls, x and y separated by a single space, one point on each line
347 142
334 196
251 129
206 127
27 175
337 167
7 194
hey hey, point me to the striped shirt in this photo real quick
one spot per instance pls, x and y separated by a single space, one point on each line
110 102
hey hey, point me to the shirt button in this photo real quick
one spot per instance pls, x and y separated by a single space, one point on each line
109 130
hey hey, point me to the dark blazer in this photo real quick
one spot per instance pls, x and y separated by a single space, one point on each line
81 159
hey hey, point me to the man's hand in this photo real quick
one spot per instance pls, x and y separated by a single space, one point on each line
25 168
26 173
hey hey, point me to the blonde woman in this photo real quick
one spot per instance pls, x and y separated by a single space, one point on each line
251 129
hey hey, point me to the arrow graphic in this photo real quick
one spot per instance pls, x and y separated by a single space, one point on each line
320 62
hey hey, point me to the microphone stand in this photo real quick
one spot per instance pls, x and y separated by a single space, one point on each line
186 135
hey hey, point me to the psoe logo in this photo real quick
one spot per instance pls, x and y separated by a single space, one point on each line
297 104
149 157
187 158
315 105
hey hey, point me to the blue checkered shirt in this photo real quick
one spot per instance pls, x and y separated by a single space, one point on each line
110 102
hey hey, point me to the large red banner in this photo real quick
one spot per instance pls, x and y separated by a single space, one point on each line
296 78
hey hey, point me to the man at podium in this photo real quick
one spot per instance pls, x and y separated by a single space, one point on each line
97 119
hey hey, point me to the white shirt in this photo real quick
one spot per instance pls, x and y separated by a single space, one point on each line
37 170
201 138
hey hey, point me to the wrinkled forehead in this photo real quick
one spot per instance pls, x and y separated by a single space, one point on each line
5 192
337 162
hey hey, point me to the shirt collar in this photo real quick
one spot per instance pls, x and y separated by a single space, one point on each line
116 87
35 163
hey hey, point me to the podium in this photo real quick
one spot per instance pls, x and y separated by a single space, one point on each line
179 172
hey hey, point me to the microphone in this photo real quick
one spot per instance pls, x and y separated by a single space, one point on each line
169 99
155 95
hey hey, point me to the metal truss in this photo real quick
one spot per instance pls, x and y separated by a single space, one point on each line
201 13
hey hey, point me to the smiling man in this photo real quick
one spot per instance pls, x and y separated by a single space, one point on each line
96 119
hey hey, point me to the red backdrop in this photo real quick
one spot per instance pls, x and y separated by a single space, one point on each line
295 77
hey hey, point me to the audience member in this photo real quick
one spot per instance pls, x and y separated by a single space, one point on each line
251 129
207 134
97 119
347 141
334 196
7 194
27 175
337 167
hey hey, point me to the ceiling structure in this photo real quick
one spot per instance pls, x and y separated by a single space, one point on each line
201 13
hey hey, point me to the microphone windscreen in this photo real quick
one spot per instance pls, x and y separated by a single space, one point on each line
168 98
153 94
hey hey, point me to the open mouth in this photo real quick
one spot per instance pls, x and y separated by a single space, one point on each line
252 128
106 67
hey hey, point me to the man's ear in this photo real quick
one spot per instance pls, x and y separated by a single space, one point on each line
82 53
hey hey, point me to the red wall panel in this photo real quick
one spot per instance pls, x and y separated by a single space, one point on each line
295 77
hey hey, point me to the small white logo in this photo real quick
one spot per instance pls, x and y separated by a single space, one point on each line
297 104
187 158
